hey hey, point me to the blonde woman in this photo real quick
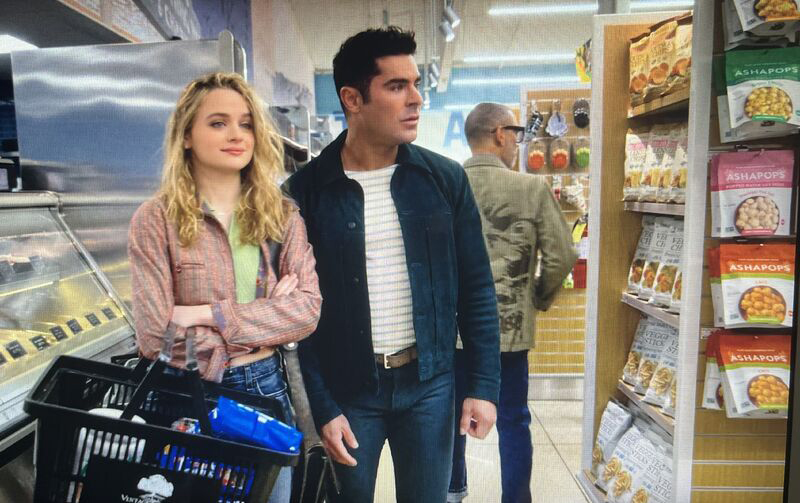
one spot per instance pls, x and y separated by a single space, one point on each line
199 253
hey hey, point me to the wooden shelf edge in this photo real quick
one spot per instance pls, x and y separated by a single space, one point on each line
594 493
670 319
668 103
664 421
657 208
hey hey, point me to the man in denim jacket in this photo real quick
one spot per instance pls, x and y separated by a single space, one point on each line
402 267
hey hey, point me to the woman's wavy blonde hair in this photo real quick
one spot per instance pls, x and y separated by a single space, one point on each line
263 210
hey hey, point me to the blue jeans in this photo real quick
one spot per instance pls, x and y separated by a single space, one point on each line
513 428
417 420
265 377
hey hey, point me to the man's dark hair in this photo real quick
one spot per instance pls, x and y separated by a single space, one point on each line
355 64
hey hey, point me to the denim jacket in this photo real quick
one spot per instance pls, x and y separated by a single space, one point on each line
451 282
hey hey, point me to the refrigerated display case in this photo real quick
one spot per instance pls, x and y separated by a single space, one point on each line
54 300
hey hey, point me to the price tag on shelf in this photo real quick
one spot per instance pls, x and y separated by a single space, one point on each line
109 313
93 319
40 343
16 350
58 333
74 326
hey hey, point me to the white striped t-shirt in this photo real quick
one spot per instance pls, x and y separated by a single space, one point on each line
387 273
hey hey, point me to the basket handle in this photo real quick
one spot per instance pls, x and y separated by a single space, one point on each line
153 370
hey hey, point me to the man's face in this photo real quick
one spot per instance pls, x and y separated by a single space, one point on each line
509 146
392 113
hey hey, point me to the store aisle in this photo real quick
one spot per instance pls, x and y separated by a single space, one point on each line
556 427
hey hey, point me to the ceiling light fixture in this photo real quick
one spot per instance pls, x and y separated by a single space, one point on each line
451 16
447 31
661 5
528 79
553 8
10 43
565 57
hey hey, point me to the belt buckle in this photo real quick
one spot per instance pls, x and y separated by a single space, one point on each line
386 362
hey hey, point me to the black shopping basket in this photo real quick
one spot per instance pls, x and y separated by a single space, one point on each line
88 458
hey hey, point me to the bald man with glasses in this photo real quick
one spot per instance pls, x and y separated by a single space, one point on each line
521 221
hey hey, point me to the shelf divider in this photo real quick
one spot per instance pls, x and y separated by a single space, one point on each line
656 208
664 421
670 319
669 103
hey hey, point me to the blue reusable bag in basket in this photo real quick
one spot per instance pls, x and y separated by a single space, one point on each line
235 421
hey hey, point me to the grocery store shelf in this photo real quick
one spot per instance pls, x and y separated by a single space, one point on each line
657 208
669 103
35 281
664 421
593 492
670 319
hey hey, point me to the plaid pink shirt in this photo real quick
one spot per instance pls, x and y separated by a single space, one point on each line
165 274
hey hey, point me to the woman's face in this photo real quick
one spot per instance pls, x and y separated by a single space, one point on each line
221 137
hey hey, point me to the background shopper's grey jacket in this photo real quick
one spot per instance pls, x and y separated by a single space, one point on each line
520 218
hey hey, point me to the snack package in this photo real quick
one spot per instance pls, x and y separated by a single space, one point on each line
669 267
669 170
757 284
614 422
635 152
681 56
537 158
662 229
735 35
680 165
635 460
751 193
750 130
654 483
655 339
763 85
665 372
712 385
671 399
640 257
715 280
675 299
622 449
660 50
637 68
755 373
768 17
631 367
654 157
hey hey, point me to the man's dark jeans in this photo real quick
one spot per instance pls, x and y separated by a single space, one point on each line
417 419
513 428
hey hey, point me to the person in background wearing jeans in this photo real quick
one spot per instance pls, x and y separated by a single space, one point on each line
521 220
199 253
402 263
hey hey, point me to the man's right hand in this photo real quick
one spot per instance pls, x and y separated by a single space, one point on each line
334 435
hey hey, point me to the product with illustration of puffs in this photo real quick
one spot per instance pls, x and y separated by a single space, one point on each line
636 141
715 280
763 85
668 169
631 367
651 483
616 419
755 373
655 339
713 398
637 68
640 257
675 300
657 146
768 17
662 230
736 36
671 399
659 56
757 285
751 193
662 379
669 267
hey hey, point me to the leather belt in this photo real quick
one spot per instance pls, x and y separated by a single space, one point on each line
398 359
